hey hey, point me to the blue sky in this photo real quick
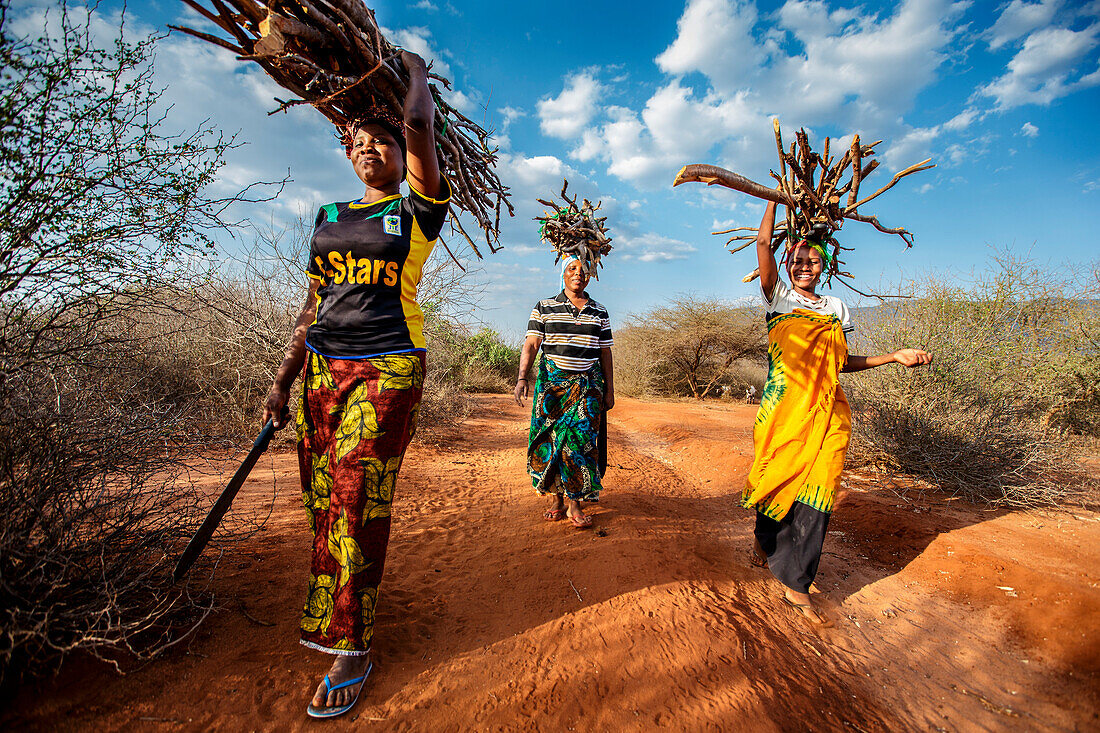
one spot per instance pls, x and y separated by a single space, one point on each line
618 96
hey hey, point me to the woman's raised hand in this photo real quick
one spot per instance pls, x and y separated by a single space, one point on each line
412 61
912 357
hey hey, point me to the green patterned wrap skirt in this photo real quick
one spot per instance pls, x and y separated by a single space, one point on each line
567 449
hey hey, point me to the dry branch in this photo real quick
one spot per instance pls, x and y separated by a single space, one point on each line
332 54
575 230
809 187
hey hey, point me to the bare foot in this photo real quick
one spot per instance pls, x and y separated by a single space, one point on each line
344 668
801 602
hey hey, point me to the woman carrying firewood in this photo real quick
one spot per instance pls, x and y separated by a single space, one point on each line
359 338
804 423
567 450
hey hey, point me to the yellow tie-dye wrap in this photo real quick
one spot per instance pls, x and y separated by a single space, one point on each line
804 422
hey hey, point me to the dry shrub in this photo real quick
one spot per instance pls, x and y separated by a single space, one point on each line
491 364
690 347
444 404
90 460
636 370
988 419
99 202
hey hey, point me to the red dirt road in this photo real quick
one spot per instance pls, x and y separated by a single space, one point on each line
948 617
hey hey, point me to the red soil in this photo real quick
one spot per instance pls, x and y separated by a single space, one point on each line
948 616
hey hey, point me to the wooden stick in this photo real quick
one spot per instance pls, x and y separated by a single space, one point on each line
915 168
712 174
857 156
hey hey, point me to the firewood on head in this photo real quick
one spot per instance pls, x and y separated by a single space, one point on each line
573 229
810 187
332 55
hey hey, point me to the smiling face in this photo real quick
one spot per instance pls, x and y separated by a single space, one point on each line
376 157
805 267
575 277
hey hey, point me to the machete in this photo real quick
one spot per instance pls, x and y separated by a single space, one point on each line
221 506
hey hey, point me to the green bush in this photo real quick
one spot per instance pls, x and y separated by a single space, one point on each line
491 365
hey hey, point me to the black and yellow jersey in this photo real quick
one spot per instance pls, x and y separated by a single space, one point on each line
368 259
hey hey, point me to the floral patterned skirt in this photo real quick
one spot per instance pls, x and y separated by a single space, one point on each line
567 449
355 420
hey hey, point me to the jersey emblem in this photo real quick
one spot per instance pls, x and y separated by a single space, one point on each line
392 224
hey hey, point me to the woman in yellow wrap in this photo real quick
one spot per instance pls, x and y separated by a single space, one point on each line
804 423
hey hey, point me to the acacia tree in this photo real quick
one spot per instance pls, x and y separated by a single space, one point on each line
98 203
95 195
695 341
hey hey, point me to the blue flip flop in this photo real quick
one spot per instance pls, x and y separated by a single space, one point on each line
331 712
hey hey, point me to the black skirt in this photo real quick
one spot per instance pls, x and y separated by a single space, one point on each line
793 544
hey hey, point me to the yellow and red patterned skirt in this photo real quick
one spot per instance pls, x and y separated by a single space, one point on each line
355 420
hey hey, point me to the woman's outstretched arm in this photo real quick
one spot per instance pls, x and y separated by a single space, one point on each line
906 357
769 274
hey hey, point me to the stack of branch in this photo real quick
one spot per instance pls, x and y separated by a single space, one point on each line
811 186
574 229
331 54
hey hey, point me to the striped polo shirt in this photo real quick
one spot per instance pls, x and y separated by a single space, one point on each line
367 259
571 338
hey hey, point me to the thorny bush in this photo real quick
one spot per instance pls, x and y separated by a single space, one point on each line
1014 375
691 347
97 207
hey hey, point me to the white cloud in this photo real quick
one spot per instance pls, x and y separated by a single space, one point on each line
870 68
418 40
815 64
467 104
510 115
1020 18
962 120
566 115
426 5
915 145
592 143
715 37
804 63
540 170
1044 69
1030 130
675 127
652 247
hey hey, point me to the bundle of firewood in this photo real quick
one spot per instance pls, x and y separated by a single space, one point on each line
573 229
331 54
810 187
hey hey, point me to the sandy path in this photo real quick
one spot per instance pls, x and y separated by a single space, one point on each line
493 619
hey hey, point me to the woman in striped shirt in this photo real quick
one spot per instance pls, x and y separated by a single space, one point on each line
567 450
